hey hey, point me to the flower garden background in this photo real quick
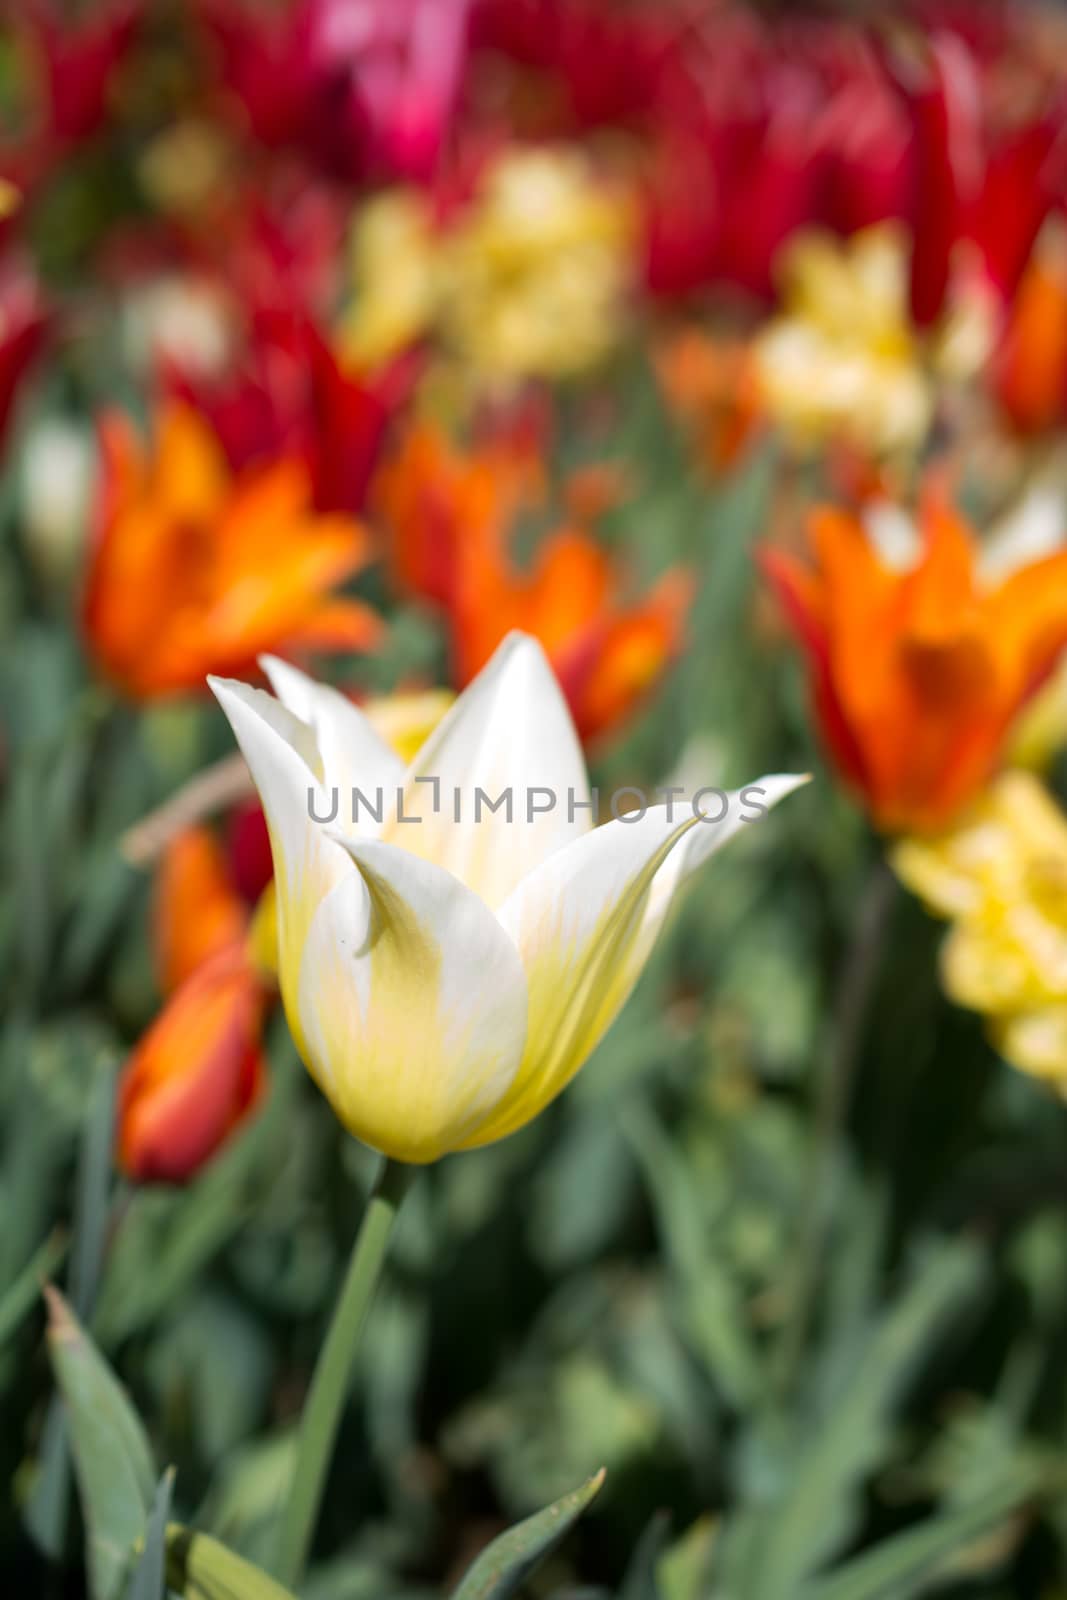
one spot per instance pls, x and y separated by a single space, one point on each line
486 391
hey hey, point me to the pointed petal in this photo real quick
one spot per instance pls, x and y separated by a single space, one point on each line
412 1003
195 1075
197 909
307 863
509 732
354 755
585 922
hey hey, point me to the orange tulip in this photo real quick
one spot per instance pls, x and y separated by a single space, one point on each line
196 1074
710 382
198 570
918 674
450 518
199 1071
198 911
1031 375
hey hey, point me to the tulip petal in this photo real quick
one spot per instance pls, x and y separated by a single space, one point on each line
509 733
283 759
354 755
195 1075
585 922
412 1004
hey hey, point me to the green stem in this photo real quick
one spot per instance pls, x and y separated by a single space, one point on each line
833 1092
329 1386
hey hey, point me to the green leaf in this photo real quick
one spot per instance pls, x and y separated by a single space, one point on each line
684 1572
92 1199
48 1507
800 1530
200 1568
711 1305
901 1567
112 1459
22 1295
504 1565
149 1574
640 1582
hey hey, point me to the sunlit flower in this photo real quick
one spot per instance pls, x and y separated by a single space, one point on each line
711 382
395 261
288 395
367 90
180 316
527 280
196 568
196 1075
56 468
1000 875
1031 369
451 520
843 360
199 1071
982 182
919 670
762 130
77 59
444 978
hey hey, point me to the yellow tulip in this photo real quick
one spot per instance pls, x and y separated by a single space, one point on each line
1001 876
530 280
843 359
446 968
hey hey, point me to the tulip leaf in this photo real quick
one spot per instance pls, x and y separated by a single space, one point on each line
48 1508
710 1302
504 1565
24 1293
200 1568
903 1566
149 1575
112 1459
797 1534
640 1582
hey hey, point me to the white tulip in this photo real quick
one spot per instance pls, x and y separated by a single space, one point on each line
446 975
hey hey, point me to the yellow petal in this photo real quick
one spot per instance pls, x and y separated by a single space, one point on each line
585 923
412 1003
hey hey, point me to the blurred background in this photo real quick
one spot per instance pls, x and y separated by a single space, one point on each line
724 349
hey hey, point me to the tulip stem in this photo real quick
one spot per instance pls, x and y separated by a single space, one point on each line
833 1091
329 1385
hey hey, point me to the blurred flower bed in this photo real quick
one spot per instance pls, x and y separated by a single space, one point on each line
722 351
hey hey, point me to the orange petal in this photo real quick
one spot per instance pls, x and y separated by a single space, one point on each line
337 625
195 1075
191 477
197 908
941 588
802 597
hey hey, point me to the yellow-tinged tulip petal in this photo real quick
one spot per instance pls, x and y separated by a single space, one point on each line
509 733
406 721
412 1003
407 991
585 922
263 934
352 753
285 767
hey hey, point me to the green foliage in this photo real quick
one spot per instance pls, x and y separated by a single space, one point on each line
112 1456
502 1569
